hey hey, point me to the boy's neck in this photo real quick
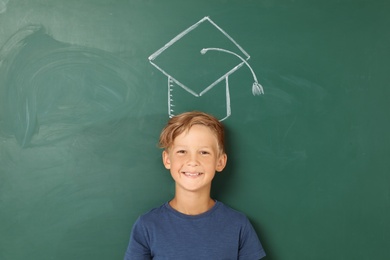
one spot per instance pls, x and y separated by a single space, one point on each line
192 204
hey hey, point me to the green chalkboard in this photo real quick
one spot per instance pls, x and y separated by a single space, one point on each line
86 86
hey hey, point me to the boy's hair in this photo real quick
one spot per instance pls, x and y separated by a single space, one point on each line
183 122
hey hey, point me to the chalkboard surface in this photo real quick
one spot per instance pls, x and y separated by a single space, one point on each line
86 86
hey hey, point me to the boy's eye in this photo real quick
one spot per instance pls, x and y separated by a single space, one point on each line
204 152
181 151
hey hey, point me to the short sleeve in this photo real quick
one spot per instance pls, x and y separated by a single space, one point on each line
138 248
250 246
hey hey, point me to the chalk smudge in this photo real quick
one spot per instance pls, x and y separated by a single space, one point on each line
3 6
51 90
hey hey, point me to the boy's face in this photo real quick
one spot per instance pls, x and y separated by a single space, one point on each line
193 159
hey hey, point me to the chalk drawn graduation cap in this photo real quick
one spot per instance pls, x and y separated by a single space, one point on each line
198 63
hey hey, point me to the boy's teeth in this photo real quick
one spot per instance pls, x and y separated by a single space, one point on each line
192 174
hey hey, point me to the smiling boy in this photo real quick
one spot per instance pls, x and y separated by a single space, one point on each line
193 225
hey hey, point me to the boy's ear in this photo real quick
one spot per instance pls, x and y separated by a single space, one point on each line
165 159
222 160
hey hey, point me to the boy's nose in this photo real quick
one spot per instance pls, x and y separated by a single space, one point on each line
192 160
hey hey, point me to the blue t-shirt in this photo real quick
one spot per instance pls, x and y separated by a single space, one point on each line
220 233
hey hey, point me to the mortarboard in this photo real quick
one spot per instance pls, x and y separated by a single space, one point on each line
200 60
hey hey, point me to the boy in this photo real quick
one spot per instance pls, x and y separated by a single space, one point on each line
193 225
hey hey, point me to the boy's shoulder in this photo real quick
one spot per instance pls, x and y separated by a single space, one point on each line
154 213
226 212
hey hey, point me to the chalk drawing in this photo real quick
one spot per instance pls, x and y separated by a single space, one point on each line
3 6
235 50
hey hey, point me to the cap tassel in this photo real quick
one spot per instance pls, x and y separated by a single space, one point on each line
257 89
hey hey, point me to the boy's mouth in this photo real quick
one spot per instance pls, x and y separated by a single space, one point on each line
192 174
